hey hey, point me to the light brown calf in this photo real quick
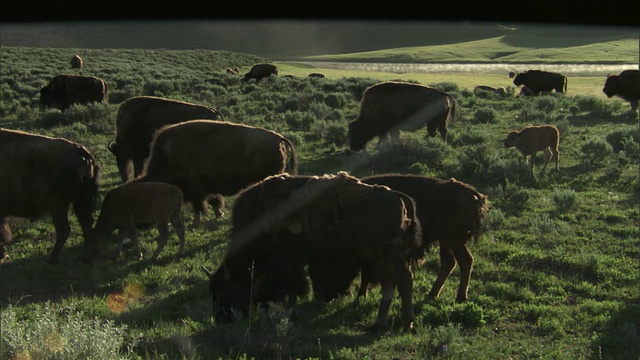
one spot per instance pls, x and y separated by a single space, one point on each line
532 139
134 204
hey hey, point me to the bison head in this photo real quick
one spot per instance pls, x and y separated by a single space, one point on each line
511 139
519 79
611 85
50 98
359 135
230 291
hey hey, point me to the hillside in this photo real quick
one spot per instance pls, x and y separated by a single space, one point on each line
299 39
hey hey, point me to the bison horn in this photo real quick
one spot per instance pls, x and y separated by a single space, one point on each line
110 145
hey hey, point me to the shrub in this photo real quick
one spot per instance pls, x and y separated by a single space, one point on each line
564 199
335 100
61 332
595 152
485 115
617 137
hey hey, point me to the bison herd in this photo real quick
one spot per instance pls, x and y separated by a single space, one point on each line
290 234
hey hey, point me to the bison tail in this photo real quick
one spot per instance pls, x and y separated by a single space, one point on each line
293 160
453 110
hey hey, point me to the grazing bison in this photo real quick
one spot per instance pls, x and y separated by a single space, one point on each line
451 213
389 107
204 157
625 85
137 121
234 71
482 90
261 71
42 175
532 139
316 75
132 204
334 226
65 90
76 62
538 81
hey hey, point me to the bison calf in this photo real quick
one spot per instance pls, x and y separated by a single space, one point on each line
133 204
451 214
532 139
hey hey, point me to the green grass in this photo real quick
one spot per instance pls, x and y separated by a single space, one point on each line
556 273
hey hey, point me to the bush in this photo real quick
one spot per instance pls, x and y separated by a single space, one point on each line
595 152
564 199
60 332
485 115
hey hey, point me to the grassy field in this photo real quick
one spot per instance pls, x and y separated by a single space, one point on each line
556 273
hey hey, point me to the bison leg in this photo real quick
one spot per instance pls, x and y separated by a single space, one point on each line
163 229
447 263
387 290
465 261
83 213
405 281
178 226
60 217
547 158
532 158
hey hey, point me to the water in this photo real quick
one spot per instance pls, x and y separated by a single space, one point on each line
399 68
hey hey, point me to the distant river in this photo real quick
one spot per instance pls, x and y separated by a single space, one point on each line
574 69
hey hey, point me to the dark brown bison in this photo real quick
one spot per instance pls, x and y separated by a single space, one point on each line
532 139
204 157
389 107
538 81
65 90
128 205
139 118
333 226
41 175
625 85
261 71
76 62
451 213
482 90
316 75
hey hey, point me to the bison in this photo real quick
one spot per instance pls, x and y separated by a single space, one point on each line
331 225
482 90
65 90
204 157
625 85
76 62
261 71
42 175
389 107
538 81
532 139
316 75
137 121
132 204
234 71
451 214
